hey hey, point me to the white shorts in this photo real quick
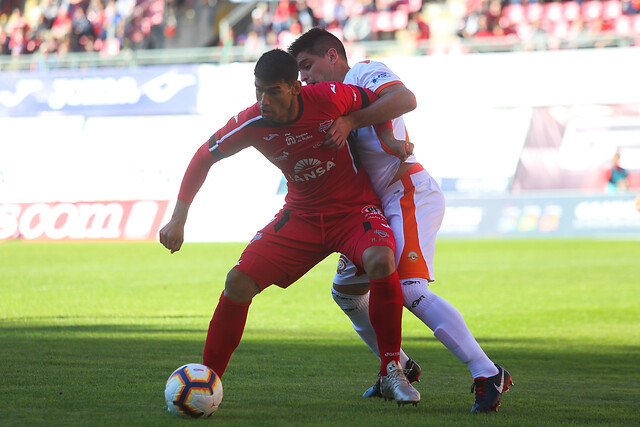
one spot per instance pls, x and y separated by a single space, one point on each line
414 208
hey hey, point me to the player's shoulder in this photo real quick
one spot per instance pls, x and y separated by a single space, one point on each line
322 88
370 74
324 91
251 113
369 66
244 119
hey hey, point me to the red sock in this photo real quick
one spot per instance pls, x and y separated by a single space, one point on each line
225 331
385 313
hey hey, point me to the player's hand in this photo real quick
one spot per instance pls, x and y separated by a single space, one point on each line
337 134
172 235
403 149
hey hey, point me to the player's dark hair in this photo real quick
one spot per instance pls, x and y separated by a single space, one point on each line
276 66
317 41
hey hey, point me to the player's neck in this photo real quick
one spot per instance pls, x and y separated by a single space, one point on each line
293 111
341 73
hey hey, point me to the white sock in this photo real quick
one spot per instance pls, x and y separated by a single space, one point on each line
447 325
357 308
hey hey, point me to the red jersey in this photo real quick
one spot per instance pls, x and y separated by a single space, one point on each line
318 178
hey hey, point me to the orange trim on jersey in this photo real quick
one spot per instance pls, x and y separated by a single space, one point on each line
386 148
395 82
412 262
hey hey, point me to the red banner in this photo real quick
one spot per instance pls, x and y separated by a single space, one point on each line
111 220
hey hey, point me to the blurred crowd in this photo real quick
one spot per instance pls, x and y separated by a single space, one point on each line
551 25
60 26
54 27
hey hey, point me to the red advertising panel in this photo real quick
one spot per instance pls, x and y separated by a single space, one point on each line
60 221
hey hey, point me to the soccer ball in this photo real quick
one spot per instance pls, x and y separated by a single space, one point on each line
193 391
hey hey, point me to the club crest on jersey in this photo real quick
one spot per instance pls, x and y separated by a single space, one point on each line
413 257
324 126
342 264
371 210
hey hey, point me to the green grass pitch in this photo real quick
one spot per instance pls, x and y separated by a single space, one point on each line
89 333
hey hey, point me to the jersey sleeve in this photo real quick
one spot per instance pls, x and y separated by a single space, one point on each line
362 97
196 174
374 76
234 136
228 140
348 98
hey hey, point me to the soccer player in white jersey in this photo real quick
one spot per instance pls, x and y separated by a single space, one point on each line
413 204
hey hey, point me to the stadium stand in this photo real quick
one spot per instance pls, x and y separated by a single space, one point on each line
53 28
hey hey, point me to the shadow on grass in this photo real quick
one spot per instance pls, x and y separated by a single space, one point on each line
117 378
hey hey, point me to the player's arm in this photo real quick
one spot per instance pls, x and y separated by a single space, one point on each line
393 101
172 234
361 100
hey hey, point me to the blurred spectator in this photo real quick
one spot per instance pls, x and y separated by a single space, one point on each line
418 27
616 176
358 27
82 35
305 16
4 41
282 18
61 26
49 11
538 37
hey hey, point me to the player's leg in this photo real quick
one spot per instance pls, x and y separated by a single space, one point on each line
365 237
351 293
385 297
448 326
354 302
415 215
228 321
385 314
274 256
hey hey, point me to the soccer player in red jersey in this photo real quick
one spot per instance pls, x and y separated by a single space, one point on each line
330 207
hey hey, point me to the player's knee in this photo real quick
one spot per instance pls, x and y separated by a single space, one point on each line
378 261
239 287
416 293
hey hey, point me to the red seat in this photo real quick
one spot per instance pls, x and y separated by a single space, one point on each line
410 5
611 9
533 12
623 25
591 10
552 12
388 21
513 14
635 24
571 10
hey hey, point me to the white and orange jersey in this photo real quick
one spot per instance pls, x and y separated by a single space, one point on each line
379 162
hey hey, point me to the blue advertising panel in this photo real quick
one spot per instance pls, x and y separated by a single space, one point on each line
549 215
101 92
